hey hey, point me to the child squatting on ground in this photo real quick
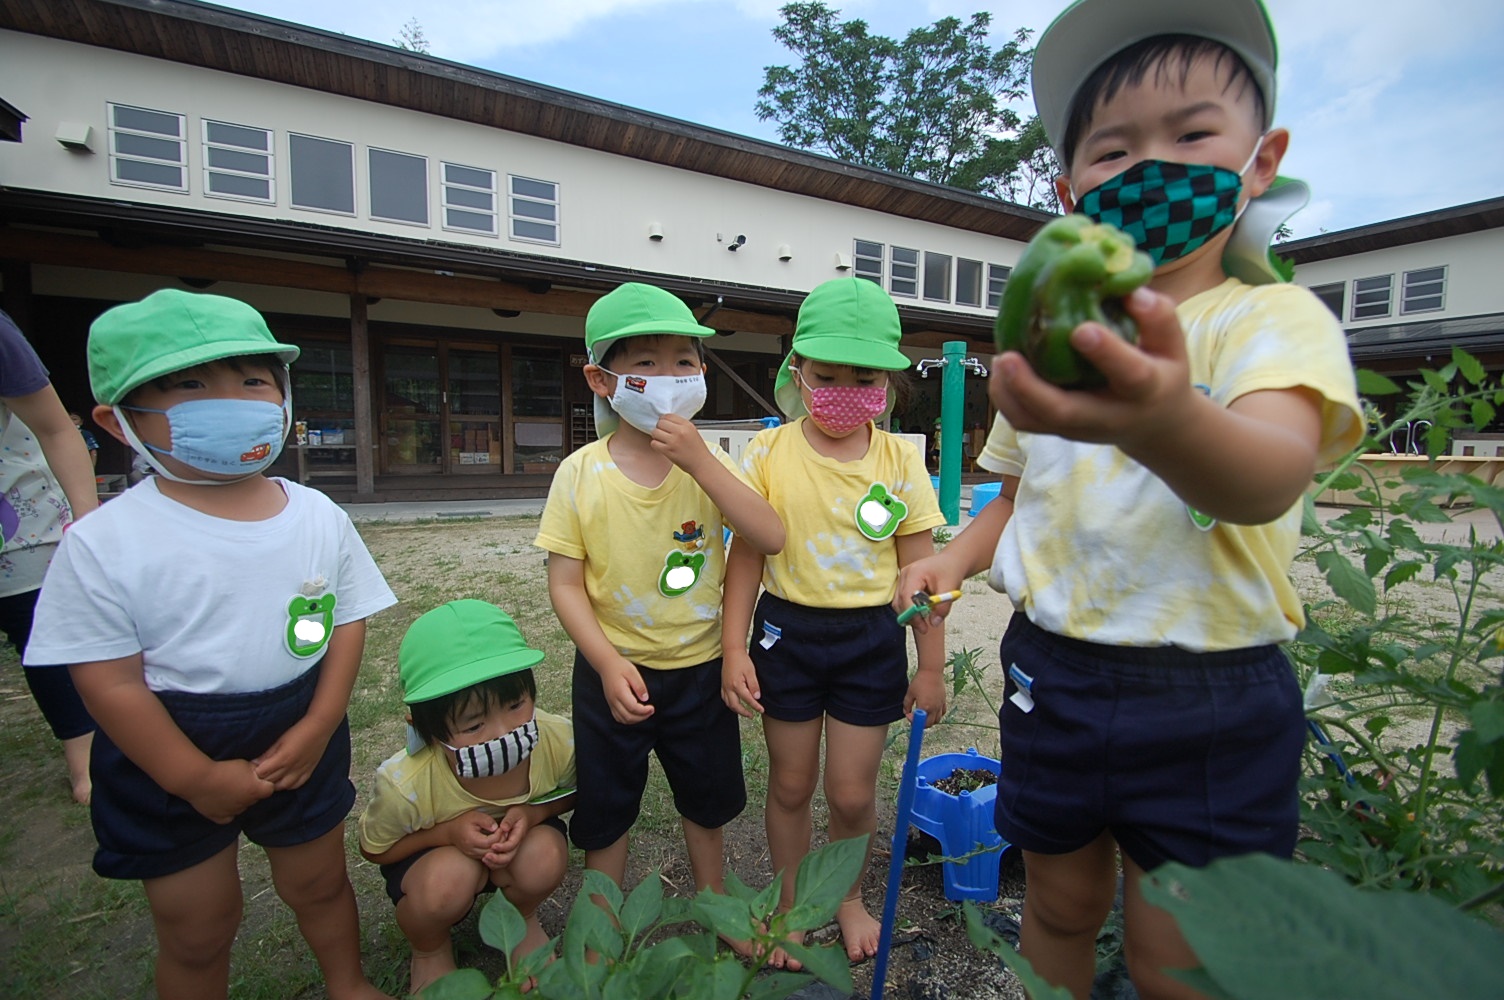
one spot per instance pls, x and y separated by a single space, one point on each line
827 655
1146 530
474 801
633 527
213 621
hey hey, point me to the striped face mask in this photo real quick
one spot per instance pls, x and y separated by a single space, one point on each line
498 756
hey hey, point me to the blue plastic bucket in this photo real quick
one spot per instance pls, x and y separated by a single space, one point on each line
983 494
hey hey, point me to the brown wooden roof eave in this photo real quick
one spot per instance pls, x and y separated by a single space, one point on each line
216 38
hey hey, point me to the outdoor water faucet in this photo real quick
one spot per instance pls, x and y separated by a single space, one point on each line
975 364
924 366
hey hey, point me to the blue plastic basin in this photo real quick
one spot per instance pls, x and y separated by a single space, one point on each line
983 494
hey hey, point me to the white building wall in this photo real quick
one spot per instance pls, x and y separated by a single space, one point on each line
607 202
1473 261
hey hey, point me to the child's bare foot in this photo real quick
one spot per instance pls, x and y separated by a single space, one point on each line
427 967
743 949
860 931
535 938
781 959
76 756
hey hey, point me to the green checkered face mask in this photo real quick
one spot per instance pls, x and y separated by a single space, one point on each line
1170 209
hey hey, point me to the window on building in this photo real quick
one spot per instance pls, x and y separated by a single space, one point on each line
1424 290
469 199
867 260
968 282
937 276
1333 296
148 148
903 272
534 210
1371 297
322 174
997 277
238 162
399 186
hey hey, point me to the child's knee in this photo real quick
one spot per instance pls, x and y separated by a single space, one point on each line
539 867
791 792
200 942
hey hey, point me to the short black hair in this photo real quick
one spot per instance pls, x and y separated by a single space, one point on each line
611 348
1160 54
432 718
238 364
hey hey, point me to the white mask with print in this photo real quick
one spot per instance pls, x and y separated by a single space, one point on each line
641 400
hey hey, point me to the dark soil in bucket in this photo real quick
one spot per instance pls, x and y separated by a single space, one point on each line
965 779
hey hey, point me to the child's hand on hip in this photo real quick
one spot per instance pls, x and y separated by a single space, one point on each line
1148 391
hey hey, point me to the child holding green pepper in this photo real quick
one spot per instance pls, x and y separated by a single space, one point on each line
1147 525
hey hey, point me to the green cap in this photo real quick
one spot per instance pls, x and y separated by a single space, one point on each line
458 645
1089 32
844 321
171 330
633 310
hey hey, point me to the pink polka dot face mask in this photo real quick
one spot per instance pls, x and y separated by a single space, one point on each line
841 409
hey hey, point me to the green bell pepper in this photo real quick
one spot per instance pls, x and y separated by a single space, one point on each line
1073 271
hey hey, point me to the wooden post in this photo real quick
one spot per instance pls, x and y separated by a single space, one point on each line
365 429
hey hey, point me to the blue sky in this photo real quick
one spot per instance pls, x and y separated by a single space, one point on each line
1394 107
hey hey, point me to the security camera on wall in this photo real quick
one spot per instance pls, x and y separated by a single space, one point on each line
737 243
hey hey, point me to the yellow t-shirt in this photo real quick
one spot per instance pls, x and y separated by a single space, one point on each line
654 556
418 791
831 560
1099 548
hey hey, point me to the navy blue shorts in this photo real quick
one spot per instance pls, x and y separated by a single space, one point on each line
696 737
1183 756
395 872
146 832
849 663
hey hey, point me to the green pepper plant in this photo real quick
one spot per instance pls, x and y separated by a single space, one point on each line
647 945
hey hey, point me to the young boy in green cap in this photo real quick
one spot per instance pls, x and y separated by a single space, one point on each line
633 528
474 801
827 655
1146 529
213 620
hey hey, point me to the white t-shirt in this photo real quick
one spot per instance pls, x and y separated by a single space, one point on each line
213 606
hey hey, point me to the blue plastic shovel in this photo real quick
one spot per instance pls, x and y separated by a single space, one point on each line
900 839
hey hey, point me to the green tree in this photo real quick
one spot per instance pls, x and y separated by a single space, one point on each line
935 106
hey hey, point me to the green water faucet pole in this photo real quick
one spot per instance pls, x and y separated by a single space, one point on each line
952 420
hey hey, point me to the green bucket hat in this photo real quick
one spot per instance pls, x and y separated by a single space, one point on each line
632 310
844 321
168 331
457 645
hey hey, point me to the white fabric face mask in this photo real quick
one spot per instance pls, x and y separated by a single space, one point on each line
498 756
641 400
